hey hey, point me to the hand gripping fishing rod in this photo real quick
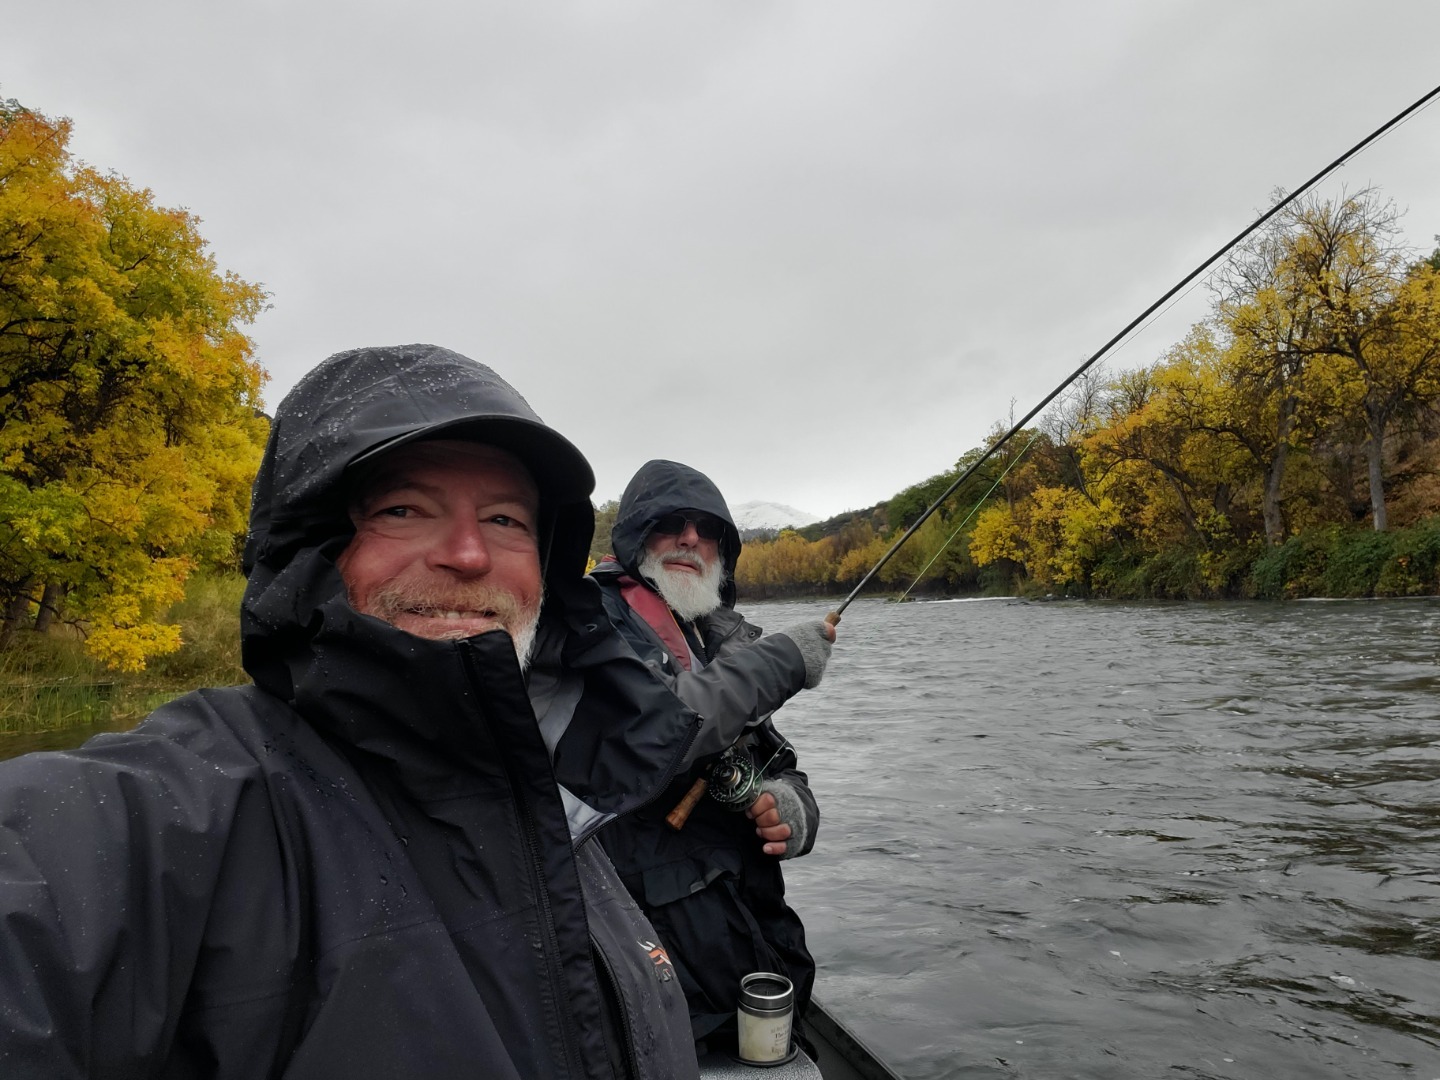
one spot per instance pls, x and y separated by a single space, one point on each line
834 617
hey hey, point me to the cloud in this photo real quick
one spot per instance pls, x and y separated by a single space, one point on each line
815 249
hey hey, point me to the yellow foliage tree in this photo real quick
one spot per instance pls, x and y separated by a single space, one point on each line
856 562
1183 448
1067 535
1323 305
129 419
789 563
996 536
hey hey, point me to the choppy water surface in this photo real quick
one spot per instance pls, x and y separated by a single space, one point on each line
1128 841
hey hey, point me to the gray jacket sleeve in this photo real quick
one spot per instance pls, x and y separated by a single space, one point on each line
738 690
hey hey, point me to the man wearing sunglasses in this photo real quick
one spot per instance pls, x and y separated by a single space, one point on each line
713 888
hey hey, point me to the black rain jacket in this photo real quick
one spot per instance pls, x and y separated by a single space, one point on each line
360 866
716 898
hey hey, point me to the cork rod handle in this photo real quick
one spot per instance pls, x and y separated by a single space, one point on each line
676 818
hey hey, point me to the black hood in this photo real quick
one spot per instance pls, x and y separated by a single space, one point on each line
660 488
357 404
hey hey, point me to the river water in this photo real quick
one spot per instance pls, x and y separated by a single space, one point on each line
1132 842
1075 839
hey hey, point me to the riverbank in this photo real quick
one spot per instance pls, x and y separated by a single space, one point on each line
47 683
1325 562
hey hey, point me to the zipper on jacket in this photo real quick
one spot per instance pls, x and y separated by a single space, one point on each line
611 988
558 982
575 1061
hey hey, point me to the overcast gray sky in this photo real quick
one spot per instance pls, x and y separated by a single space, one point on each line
814 248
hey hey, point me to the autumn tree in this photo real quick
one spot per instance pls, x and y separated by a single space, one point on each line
129 398
864 549
1322 347
787 564
1141 458
1331 318
1392 360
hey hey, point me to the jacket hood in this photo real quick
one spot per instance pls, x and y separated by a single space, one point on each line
360 403
352 407
662 487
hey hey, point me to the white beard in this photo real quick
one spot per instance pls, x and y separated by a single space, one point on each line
689 595
524 638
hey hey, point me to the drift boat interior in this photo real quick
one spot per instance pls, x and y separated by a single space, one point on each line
842 1056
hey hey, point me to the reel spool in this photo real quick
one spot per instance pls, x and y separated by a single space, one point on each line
735 780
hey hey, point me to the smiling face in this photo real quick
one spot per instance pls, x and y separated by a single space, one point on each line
446 543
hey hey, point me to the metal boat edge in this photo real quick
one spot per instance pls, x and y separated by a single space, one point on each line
840 1054
843 1054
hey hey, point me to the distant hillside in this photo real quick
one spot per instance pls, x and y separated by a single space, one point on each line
872 515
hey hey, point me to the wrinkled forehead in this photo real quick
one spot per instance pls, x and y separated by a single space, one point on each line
438 462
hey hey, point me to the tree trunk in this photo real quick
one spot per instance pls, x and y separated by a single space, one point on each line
1270 500
1375 458
16 612
50 600
1275 475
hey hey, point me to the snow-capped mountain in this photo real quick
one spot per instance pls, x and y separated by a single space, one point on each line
768 515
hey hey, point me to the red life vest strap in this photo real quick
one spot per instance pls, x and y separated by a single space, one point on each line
651 607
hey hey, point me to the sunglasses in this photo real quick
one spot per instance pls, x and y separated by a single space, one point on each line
706 527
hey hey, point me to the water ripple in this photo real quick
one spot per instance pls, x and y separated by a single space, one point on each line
1128 841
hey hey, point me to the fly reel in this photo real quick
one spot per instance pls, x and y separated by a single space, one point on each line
735 780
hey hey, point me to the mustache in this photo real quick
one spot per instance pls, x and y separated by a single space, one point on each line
686 557
396 598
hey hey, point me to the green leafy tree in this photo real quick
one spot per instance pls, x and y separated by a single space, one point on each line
604 522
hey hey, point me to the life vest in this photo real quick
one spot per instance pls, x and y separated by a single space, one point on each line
651 607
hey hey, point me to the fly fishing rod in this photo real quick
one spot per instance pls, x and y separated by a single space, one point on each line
834 617
682 811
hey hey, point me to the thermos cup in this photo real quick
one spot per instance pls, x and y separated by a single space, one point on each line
765 1013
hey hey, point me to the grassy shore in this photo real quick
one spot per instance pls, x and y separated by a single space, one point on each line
47 683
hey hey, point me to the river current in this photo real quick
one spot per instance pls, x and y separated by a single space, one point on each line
1072 840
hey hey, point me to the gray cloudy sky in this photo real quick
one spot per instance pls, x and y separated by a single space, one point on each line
814 248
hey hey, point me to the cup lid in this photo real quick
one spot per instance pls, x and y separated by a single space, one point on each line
766 990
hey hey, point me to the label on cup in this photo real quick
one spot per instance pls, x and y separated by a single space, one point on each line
763 1039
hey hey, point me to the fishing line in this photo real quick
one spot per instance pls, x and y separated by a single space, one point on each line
973 510
1398 118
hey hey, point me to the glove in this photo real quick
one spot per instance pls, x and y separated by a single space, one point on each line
813 641
792 813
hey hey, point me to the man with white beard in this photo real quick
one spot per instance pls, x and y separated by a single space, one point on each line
713 888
